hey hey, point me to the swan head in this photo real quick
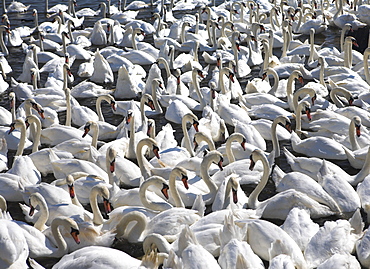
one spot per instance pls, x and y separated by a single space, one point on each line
256 155
111 158
307 108
182 174
164 190
87 129
18 123
102 191
234 187
357 122
68 223
156 151
34 200
70 183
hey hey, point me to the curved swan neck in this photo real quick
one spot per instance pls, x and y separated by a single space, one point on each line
366 65
352 134
275 141
97 216
137 230
173 188
154 180
253 197
339 91
234 137
364 172
187 141
158 241
200 136
197 89
204 168
95 129
61 243
69 107
108 99
36 140
140 156
44 211
22 140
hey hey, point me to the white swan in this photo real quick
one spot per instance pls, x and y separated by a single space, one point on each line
167 223
13 244
260 241
280 204
105 257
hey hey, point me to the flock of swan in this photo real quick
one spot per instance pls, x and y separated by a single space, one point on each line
181 199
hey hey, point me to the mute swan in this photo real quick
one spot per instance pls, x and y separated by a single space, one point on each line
305 184
321 147
300 227
346 235
234 249
13 244
98 36
128 86
230 195
194 187
345 196
102 70
279 205
98 256
261 234
167 223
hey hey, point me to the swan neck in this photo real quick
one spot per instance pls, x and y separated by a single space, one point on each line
174 191
204 173
44 215
141 159
97 216
22 140
61 243
69 108
352 136
366 65
36 139
197 89
275 141
4 49
187 141
364 172
98 108
253 198
137 230
229 152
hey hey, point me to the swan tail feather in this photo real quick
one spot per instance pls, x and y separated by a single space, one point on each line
277 175
199 205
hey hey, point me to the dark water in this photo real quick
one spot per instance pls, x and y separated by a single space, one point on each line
330 38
